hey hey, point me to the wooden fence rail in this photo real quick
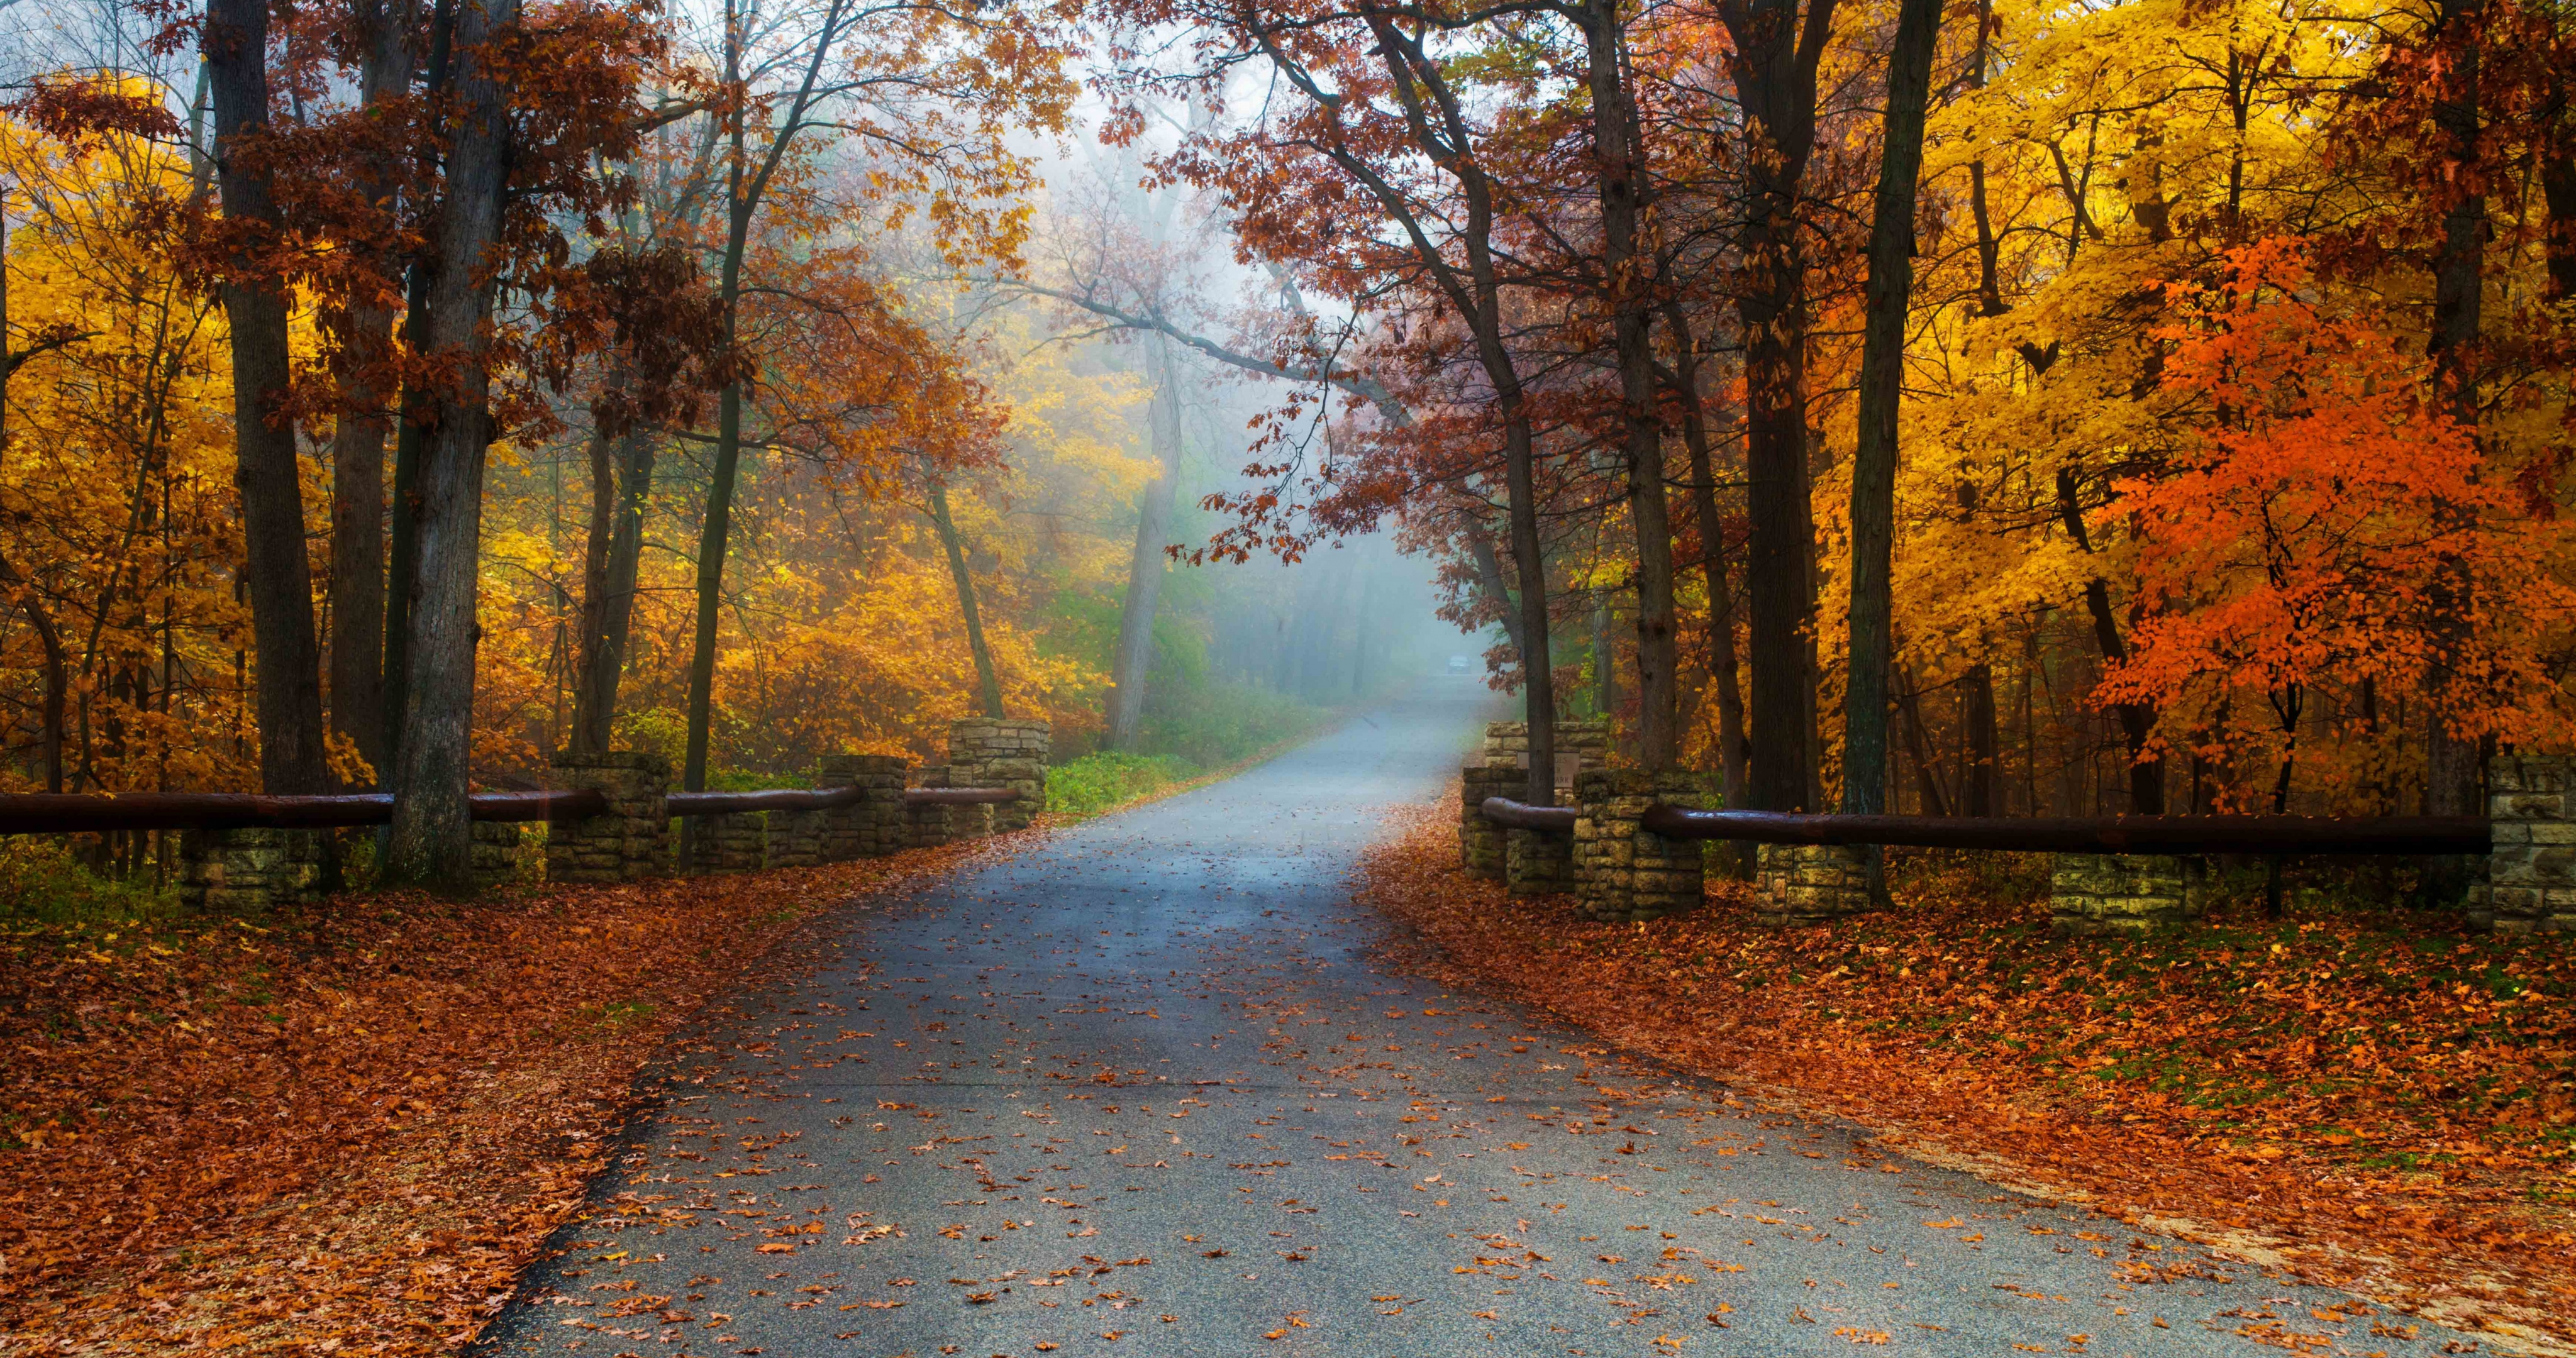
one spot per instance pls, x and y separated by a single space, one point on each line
2060 834
30 813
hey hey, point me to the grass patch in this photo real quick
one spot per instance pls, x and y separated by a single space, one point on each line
1096 784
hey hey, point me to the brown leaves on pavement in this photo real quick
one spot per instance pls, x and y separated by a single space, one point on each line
2387 1108
347 1129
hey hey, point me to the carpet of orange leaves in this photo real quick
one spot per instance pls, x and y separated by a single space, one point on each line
2347 1095
348 1129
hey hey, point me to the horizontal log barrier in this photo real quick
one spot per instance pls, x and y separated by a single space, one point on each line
27 813
2091 834
2041 834
1512 815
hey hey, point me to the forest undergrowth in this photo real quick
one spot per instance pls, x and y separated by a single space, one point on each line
345 1129
2345 1093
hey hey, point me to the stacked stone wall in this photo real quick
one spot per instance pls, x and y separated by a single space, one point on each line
876 826
730 842
1581 744
2530 885
1622 871
249 871
495 852
1480 841
1002 752
632 839
1802 884
1538 862
795 839
2115 894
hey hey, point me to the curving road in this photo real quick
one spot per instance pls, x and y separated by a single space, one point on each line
1138 1091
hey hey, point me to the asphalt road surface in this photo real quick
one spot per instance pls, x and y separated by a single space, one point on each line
1140 1090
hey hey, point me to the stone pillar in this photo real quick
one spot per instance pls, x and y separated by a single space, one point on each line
1801 884
496 852
1579 745
1002 752
795 839
730 842
1537 862
1480 841
632 839
1622 871
927 826
2101 893
2531 872
249 871
876 826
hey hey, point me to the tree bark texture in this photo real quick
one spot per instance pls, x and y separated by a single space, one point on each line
621 481
288 687
430 841
1775 58
1882 383
358 443
1625 195
2451 767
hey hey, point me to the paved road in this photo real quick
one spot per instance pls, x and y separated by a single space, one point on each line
1138 1091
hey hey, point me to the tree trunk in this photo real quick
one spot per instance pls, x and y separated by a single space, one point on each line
948 537
430 843
621 481
2451 773
1133 663
1882 381
1774 63
417 409
358 444
1977 780
289 678
1625 196
1489 579
1732 751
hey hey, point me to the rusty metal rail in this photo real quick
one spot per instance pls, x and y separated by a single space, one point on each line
2062 834
26 813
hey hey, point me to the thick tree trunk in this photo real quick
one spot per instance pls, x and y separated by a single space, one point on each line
991 687
430 842
280 583
1882 381
358 444
1776 53
1132 665
417 409
1625 195
2452 778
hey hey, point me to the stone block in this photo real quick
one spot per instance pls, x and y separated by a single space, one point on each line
1000 752
249 871
876 826
495 853
1623 871
628 841
1796 885
731 842
1537 862
2119 894
1480 841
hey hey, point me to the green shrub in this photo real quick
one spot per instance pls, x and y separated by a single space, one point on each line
41 880
1095 783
